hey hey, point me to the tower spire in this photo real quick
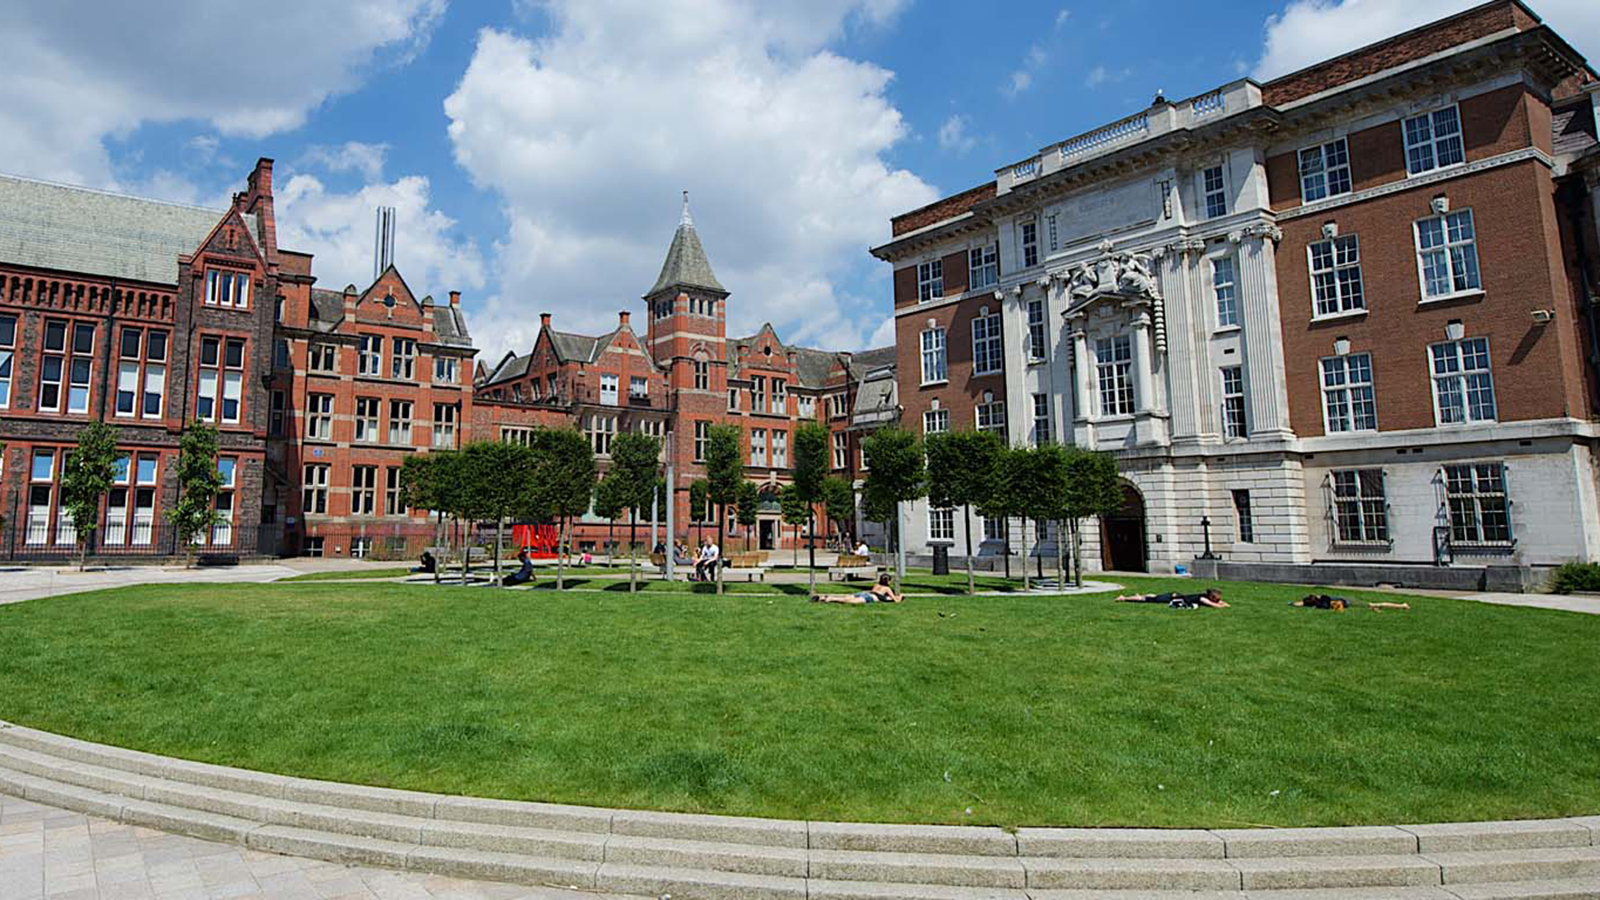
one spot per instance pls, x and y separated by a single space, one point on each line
686 219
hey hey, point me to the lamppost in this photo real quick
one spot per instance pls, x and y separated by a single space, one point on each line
1205 527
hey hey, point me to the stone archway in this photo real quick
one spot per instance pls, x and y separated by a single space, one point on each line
1122 535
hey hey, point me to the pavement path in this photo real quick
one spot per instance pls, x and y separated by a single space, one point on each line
53 854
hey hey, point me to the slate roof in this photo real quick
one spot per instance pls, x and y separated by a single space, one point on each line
1573 128
686 264
812 366
449 325
74 229
578 347
877 400
865 361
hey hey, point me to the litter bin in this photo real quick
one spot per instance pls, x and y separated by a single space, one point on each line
941 559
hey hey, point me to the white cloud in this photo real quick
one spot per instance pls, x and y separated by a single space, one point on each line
1062 16
953 135
78 72
338 229
588 134
1309 31
1096 77
1020 81
352 156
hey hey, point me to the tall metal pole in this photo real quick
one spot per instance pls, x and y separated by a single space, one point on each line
672 507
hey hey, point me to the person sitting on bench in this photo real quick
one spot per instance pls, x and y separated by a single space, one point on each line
523 575
705 568
1210 598
680 554
882 592
429 565
1340 604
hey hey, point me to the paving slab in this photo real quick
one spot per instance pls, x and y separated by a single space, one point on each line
1250 843
688 827
921 868
845 890
961 839
1568 889
662 882
513 839
1386 893
531 815
1519 835
1300 873
1120 843
1132 874
1518 865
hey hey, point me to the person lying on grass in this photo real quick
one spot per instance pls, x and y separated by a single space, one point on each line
1210 597
882 592
1340 604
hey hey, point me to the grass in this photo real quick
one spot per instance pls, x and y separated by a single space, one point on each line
1009 710
479 569
351 574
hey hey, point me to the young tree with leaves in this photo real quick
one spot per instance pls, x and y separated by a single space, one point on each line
810 470
563 484
86 476
747 509
423 486
634 460
1053 470
497 478
611 497
838 501
698 509
895 475
1094 488
198 481
724 470
796 512
961 473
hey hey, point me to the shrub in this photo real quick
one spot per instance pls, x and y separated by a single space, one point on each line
1576 576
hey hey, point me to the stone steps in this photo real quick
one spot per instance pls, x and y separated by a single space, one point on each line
714 857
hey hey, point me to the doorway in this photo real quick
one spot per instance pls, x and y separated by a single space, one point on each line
768 534
1122 546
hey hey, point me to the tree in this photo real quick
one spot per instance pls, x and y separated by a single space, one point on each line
748 507
961 473
198 482
698 504
1093 489
89 472
610 503
496 477
1054 472
563 484
724 462
810 470
895 475
634 460
424 485
838 501
796 512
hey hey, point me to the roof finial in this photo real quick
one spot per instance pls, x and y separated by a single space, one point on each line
686 219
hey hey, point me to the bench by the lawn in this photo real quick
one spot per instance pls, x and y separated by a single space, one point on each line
849 565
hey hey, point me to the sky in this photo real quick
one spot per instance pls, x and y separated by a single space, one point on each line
536 150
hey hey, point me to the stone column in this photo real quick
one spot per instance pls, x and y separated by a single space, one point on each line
1263 347
1082 373
1143 362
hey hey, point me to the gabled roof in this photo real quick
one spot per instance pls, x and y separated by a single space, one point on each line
74 229
686 264
812 366
449 325
581 348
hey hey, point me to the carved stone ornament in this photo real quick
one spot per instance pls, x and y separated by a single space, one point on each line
1125 280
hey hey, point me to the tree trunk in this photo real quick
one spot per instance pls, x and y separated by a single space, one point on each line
1025 583
499 541
633 525
1005 546
811 554
1077 551
1061 561
722 528
466 551
438 528
561 553
966 519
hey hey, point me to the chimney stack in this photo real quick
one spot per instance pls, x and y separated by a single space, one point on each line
383 242
455 298
544 320
622 318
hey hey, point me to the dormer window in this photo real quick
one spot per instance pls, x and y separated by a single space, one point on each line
227 289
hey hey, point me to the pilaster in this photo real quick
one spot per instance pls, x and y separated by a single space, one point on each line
1261 338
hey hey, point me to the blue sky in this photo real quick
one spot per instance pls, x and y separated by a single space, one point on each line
536 150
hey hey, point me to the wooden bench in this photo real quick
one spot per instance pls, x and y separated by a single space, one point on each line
849 565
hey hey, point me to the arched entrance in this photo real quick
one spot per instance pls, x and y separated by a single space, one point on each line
1122 534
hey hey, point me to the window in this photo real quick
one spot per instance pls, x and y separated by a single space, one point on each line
8 342
700 432
986 345
444 425
400 422
1324 171
363 490
1036 331
1028 242
141 373
403 358
1433 141
1463 388
1225 284
227 288
393 496
1336 276
369 355
1214 191
446 370
941 524
702 375
319 417
934 367
841 449
313 547
73 362
513 435
935 421
1447 255
279 403
608 390
314 490
733 399
837 406
223 503
780 397
324 358
40 495
758 447
1475 496
1041 419
1348 403
930 280
983 266
1233 419
1241 509
280 354
1114 373
758 393
992 417
116 525
994 529
638 386
367 419
1360 512
780 449
806 406
221 366
360 547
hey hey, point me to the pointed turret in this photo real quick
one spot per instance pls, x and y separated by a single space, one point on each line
686 265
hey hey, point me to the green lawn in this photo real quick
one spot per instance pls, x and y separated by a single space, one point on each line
352 574
1021 709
